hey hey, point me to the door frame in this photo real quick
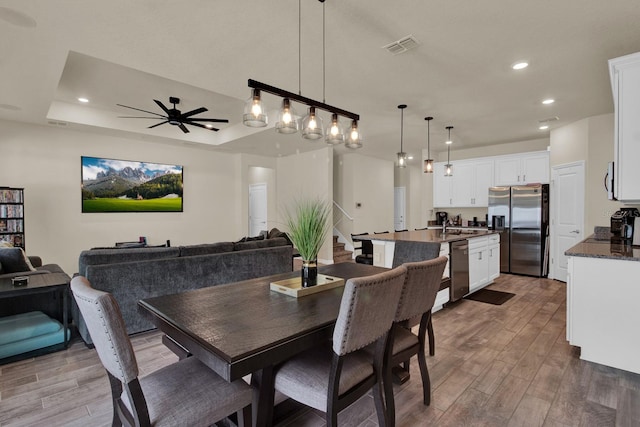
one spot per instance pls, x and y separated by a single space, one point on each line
553 274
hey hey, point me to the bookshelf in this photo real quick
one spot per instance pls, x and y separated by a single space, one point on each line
12 215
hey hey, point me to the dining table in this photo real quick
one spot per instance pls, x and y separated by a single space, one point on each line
245 328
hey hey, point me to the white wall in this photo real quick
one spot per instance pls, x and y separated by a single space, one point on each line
307 175
591 140
257 170
369 182
45 161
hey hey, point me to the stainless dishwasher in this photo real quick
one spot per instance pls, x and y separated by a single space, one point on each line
459 259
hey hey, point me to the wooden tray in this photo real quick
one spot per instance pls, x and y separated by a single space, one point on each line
293 287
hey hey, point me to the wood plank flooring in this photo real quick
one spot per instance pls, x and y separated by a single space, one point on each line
506 365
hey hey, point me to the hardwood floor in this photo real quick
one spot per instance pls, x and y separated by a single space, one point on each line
506 365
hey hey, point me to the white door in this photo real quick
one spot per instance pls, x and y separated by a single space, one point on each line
400 206
567 214
257 208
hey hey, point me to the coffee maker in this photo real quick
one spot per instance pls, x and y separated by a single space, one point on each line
622 223
441 217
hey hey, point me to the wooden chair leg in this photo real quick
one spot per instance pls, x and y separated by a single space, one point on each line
426 381
244 417
385 409
432 338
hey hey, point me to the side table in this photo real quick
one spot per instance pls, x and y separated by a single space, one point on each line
42 283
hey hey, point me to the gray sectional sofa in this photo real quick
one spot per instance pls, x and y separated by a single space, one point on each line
138 273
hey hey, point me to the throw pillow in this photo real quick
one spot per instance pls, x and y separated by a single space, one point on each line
14 260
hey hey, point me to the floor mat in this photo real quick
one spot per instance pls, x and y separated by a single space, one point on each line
490 297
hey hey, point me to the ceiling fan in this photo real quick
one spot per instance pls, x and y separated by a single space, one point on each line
175 117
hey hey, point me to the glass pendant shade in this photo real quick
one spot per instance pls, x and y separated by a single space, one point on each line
448 169
287 121
255 115
402 160
354 137
335 134
312 127
428 166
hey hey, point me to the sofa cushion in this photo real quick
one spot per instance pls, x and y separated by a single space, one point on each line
14 260
110 256
206 249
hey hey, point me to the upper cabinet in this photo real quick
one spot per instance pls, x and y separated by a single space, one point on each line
520 169
625 83
469 185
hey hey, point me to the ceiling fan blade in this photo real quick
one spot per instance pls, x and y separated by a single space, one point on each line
193 112
209 120
132 117
183 127
144 111
158 124
161 105
189 122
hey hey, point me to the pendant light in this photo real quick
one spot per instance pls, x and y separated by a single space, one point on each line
402 156
428 164
335 135
448 168
312 125
254 111
354 137
287 122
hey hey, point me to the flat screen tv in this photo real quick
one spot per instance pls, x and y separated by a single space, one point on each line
110 185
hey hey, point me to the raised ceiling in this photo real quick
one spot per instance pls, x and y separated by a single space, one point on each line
202 51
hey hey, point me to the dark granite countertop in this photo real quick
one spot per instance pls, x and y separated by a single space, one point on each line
592 247
429 235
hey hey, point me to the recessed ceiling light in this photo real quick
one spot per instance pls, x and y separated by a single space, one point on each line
409 157
543 126
83 100
548 101
520 65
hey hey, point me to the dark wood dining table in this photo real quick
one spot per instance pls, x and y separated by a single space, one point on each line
245 328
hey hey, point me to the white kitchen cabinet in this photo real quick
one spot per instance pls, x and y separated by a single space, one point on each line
442 185
484 261
625 82
468 187
478 263
523 168
494 257
602 310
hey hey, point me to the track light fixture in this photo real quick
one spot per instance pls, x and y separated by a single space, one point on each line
312 124
402 156
448 168
428 164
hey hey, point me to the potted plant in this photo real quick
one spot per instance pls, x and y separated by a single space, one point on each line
308 224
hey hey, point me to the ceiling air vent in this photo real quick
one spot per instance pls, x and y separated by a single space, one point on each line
550 119
402 45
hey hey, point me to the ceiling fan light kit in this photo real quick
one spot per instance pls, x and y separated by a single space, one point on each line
175 117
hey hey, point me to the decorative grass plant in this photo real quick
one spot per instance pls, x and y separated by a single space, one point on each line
308 224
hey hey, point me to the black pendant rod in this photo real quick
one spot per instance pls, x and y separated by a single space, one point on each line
301 99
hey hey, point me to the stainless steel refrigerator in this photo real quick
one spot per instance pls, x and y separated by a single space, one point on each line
521 214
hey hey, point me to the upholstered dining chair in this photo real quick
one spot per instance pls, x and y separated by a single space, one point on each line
333 376
418 295
406 251
185 393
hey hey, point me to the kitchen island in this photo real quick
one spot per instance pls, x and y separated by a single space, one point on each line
482 255
603 290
